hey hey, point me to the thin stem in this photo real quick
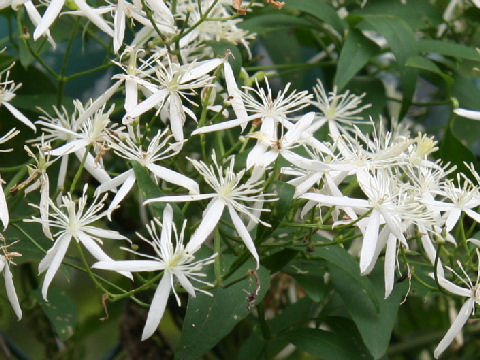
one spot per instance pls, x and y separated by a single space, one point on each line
80 169
217 266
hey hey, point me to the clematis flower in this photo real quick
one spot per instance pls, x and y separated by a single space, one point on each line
229 193
7 93
74 221
5 261
158 149
175 260
470 291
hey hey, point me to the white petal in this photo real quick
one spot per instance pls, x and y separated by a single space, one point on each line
455 328
449 286
452 218
200 68
155 99
113 183
19 115
53 260
69 147
159 7
131 95
103 233
470 114
294 134
369 240
157 308
429 248
336 200
390 263
244 234
122 192
96 251
93 167
95 18
180 198
129 265
211 216
167 221
174 177
4 216
224 125
186 284
35 17
48 18
235 98
44 204
475 216
257 151
99 102
11 294
177 116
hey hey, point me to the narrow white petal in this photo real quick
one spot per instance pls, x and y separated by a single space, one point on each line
463 315
54 259
95 18
336 200
155 99
429 248
4 216
177 116
167 221
452 218
129 265
369 240
93 167
294 134
257 151
174 177
114 183
186 284
234 95
99 102
180 198
244 234
224 125
157 308
96 251
48 18
44 204
449 286
69 147
103 233
122 192
159 7
131 95
470 114
19 115
390 263
35 17
211 216
11 294
475 216
201 68
119 26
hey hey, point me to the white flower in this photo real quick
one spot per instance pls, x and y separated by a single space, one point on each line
157 149
4 216
74 221
228 193
470 291
175 82
5 260
175 260
7 93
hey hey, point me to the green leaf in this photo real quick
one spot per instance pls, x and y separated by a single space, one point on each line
221 47
454 151
397 32
356 52
44 101
210 318
422 63
320 9
447 48
278 260
322 344
374 91
279 210
60 310
293 316
340 260
264 23
375 327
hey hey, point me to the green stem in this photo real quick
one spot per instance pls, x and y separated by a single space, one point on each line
217 266
80 170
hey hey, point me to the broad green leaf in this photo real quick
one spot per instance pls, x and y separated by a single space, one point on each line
447 48
345 329
210 318
293 316
264 23
397 32
422 63
221 47
60 310
43 101
418 14
322 344
320 9
356 52
375 95
310 275
276 262
454 151
408 78
279 208
340 260
375 326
